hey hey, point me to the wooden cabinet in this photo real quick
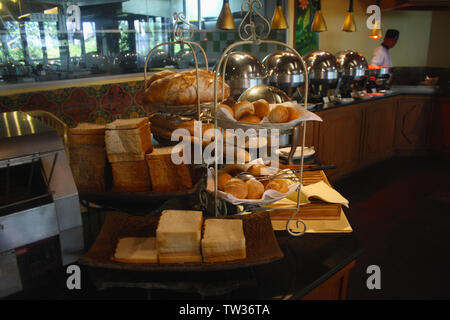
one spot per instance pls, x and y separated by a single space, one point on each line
379 130
339 137
311 134
334 288
412 122
358 135
439 131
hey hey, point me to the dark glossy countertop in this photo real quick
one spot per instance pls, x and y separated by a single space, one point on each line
397 90
308 262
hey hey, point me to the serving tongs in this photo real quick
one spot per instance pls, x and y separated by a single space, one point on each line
283 174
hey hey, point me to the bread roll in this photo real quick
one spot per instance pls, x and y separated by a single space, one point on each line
226 108
293 114
279 114
255 189
230 101
271 185
250 118
262 108
284 187
237 188
181 88
222 179
257 170
243 108
277 185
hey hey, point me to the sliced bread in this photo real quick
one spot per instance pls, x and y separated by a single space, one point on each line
223 240
136 250
178 236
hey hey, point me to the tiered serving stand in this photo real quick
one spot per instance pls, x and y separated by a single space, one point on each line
250 33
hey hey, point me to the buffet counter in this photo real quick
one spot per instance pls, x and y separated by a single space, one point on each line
315 266
360 133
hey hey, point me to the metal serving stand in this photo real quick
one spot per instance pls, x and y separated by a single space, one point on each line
252 33
181 39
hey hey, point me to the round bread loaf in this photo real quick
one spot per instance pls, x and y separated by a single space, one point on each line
262 108
293 114
277 185
256 170
227 108
279 114
243 108
237 188
250 118
284 186
271 185
181 88
255 189
222 179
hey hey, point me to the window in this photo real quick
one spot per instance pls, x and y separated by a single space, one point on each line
115 36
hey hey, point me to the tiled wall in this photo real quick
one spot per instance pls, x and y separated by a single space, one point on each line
100 104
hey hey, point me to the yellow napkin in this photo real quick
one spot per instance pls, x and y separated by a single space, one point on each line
319 190
317 226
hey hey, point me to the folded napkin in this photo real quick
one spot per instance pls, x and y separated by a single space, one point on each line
319 190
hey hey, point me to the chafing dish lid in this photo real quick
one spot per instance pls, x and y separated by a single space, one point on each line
242 65
262 91
350 61
283 63
320 61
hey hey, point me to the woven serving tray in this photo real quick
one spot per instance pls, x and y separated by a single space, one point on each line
261 244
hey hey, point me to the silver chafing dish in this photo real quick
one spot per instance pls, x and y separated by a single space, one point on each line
285 70
354 72
184 59
243 71
379 77
40 219
323 72
263 91
161 59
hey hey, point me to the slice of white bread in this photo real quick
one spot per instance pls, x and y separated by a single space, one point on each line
136 250
178 236
223 240
133 123
130 141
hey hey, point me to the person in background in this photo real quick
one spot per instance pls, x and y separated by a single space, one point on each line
381 55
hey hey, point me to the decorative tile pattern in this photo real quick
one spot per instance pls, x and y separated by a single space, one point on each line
116 100
79 105
40 101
